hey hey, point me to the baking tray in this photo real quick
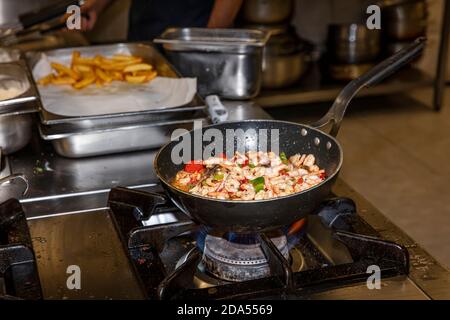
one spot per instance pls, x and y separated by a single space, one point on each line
29 99
108 140
150 55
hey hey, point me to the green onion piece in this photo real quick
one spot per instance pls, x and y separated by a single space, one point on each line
251 165
283 157
218 176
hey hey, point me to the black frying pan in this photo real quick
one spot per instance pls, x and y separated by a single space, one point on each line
261 215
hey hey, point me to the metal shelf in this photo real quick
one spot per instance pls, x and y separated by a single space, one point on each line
315 88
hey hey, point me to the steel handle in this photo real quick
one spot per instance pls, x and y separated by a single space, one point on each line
381 71
216 109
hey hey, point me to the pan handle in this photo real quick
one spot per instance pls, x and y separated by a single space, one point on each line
370 78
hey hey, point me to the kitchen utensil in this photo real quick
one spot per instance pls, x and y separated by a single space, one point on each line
267 11
285 59
36 23
353 43
16 113
405 19
251 216
226 62
15 130
80 143
348 72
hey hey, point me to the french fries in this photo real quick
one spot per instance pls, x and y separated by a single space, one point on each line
99 71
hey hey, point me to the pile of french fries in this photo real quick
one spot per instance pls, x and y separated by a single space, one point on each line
99 71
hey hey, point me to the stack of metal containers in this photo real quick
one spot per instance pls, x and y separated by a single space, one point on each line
85 136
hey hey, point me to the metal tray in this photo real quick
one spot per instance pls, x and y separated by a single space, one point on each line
226 62
109 140
149 54
29 98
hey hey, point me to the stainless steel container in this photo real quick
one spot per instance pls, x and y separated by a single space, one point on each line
107 140
267 11
353 43
226 62
404 19
150 55
15 113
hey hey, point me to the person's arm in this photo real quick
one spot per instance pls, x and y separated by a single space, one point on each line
91 9
224 12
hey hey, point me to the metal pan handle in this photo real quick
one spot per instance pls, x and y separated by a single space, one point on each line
370 78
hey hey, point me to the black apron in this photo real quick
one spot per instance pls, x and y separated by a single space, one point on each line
149 18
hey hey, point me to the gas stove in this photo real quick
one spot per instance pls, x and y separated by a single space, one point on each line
182 260
141 247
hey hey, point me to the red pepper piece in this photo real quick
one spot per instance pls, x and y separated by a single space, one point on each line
300 180
194 166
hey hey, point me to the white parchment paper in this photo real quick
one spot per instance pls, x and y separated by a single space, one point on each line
117 97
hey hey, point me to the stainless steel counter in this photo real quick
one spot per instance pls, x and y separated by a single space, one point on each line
70 226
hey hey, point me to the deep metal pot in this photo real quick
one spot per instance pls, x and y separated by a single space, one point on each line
285 59
267 11
404 20
353 43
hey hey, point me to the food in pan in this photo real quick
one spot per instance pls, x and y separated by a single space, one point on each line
100 71
250 176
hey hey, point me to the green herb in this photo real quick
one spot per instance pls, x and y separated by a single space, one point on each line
283 158
251 165
218 176
258 184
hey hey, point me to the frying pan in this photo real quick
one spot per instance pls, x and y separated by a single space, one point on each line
264 215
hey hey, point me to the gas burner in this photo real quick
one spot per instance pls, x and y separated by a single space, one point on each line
239 257
202 279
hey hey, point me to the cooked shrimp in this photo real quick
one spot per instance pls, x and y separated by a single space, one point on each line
254 175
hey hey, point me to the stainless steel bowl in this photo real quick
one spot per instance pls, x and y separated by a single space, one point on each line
266 11
353 43
404 20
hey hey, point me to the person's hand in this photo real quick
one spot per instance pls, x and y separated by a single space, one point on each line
90 11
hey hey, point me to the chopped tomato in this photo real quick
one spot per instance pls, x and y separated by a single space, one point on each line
300 180
245 163
193 166
284 172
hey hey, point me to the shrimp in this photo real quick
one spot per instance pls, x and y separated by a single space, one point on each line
232 185
309 160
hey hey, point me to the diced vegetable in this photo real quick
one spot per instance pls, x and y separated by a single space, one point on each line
251 165
218 176
193 166
283 158
258 184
